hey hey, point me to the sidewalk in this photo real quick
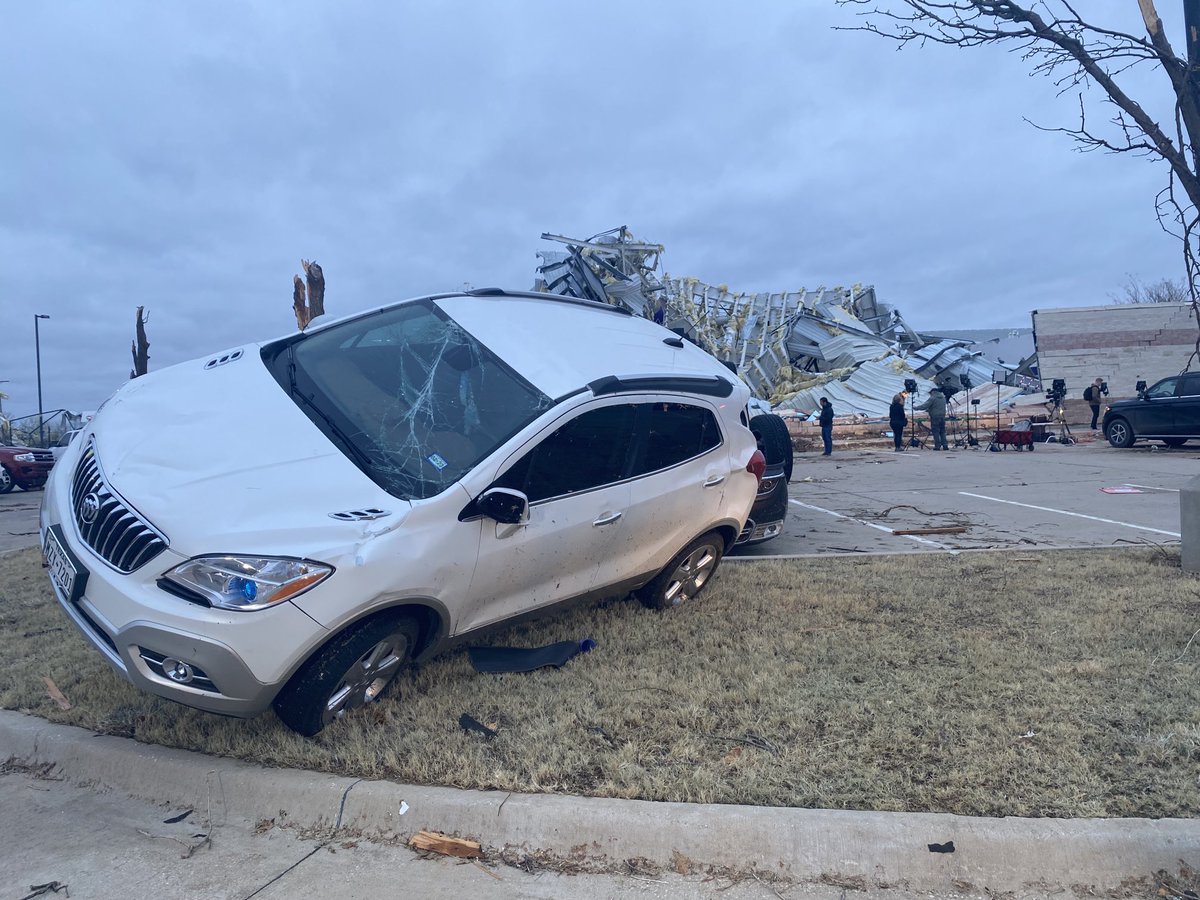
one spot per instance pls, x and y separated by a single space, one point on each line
863 849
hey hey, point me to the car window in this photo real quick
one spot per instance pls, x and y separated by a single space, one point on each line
1189 385
673 432
588 452
1165 388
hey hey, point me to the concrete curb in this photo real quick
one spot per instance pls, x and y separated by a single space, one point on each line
864 848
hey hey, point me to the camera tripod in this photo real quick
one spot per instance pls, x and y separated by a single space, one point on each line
1058 416
960 439
913 440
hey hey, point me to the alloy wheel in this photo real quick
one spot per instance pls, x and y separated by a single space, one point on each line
365 680
690 576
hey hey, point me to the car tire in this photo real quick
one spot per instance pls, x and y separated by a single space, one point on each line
774 440
1119 433
6 480
686 575
351 670
1175 442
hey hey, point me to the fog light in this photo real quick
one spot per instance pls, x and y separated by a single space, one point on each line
177 670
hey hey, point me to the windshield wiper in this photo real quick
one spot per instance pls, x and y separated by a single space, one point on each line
358 453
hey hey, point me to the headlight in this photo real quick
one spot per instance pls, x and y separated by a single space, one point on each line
248 582
24 457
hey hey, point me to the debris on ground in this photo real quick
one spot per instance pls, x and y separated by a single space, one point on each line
947 529
947 847
470 723
435 842
495 660
41 890
55 694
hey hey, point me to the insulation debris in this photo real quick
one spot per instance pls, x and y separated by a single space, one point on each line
791 347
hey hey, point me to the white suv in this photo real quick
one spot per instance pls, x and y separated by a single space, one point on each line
290 523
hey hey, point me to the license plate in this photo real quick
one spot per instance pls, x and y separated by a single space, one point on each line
66 573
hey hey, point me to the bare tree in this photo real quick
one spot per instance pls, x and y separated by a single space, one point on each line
1075 54
140 347
1164 291
312 289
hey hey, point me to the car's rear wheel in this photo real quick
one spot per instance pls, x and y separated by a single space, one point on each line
1119 433
774 440
686 575
1174 442
350 671
6 480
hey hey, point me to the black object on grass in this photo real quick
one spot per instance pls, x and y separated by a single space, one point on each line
493 660
470 723
947 847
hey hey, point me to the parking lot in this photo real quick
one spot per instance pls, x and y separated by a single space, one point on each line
851 502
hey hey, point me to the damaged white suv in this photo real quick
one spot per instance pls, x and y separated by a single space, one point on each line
291 523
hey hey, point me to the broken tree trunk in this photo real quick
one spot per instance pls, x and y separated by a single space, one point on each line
308 303
446 845
140 347
316 288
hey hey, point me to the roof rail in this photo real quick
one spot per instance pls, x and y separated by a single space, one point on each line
710 385
538 295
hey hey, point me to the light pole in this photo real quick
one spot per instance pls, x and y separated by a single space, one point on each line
37 344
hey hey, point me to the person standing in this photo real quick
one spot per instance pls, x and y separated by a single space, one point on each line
936 406
1092 395
826 421
897 419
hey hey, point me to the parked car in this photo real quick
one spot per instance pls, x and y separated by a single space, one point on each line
770 509
1169 411
291 523
63 443
24 467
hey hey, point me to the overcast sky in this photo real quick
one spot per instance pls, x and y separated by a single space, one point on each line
185 156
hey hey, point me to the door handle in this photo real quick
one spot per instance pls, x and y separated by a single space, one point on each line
714 480
607 519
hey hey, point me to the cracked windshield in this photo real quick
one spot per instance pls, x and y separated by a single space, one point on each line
409 396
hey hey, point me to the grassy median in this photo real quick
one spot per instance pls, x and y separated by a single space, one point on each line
1048 684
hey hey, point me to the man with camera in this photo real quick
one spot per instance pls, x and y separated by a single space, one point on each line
1092 395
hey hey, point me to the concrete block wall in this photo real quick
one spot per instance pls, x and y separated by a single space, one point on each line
1120 344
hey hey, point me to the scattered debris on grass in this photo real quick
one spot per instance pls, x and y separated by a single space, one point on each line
55 694
50 887
470 723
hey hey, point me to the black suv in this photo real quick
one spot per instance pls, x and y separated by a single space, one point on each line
1168 411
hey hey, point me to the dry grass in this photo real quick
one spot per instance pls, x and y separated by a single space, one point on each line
1051 685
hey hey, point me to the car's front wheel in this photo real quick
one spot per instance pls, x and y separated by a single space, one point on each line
1119 433
350 671
686 575
6 480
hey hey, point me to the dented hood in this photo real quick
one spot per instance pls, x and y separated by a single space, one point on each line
221 460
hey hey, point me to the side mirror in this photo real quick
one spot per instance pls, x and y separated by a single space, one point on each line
506 506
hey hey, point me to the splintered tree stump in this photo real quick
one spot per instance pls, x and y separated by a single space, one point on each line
446 845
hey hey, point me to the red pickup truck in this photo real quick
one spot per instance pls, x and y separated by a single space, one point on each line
24 467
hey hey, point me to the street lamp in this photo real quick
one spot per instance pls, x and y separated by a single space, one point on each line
37 344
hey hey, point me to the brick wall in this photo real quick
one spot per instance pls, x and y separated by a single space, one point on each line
1120 344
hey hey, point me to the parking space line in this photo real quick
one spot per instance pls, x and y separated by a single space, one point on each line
1064 512
911 537
1150 487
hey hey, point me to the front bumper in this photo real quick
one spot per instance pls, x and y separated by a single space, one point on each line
236 662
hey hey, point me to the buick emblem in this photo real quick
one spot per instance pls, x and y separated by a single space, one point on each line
89 508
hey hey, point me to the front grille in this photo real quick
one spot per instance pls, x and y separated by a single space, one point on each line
43 456
115 532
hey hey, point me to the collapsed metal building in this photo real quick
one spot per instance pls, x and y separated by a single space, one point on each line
791 347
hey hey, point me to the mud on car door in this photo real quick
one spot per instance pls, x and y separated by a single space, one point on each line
575 481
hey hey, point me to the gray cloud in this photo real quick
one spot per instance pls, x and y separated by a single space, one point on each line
184 157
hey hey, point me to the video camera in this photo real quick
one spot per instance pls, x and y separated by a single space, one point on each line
1057 392
1140 386
910 385
1104 388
